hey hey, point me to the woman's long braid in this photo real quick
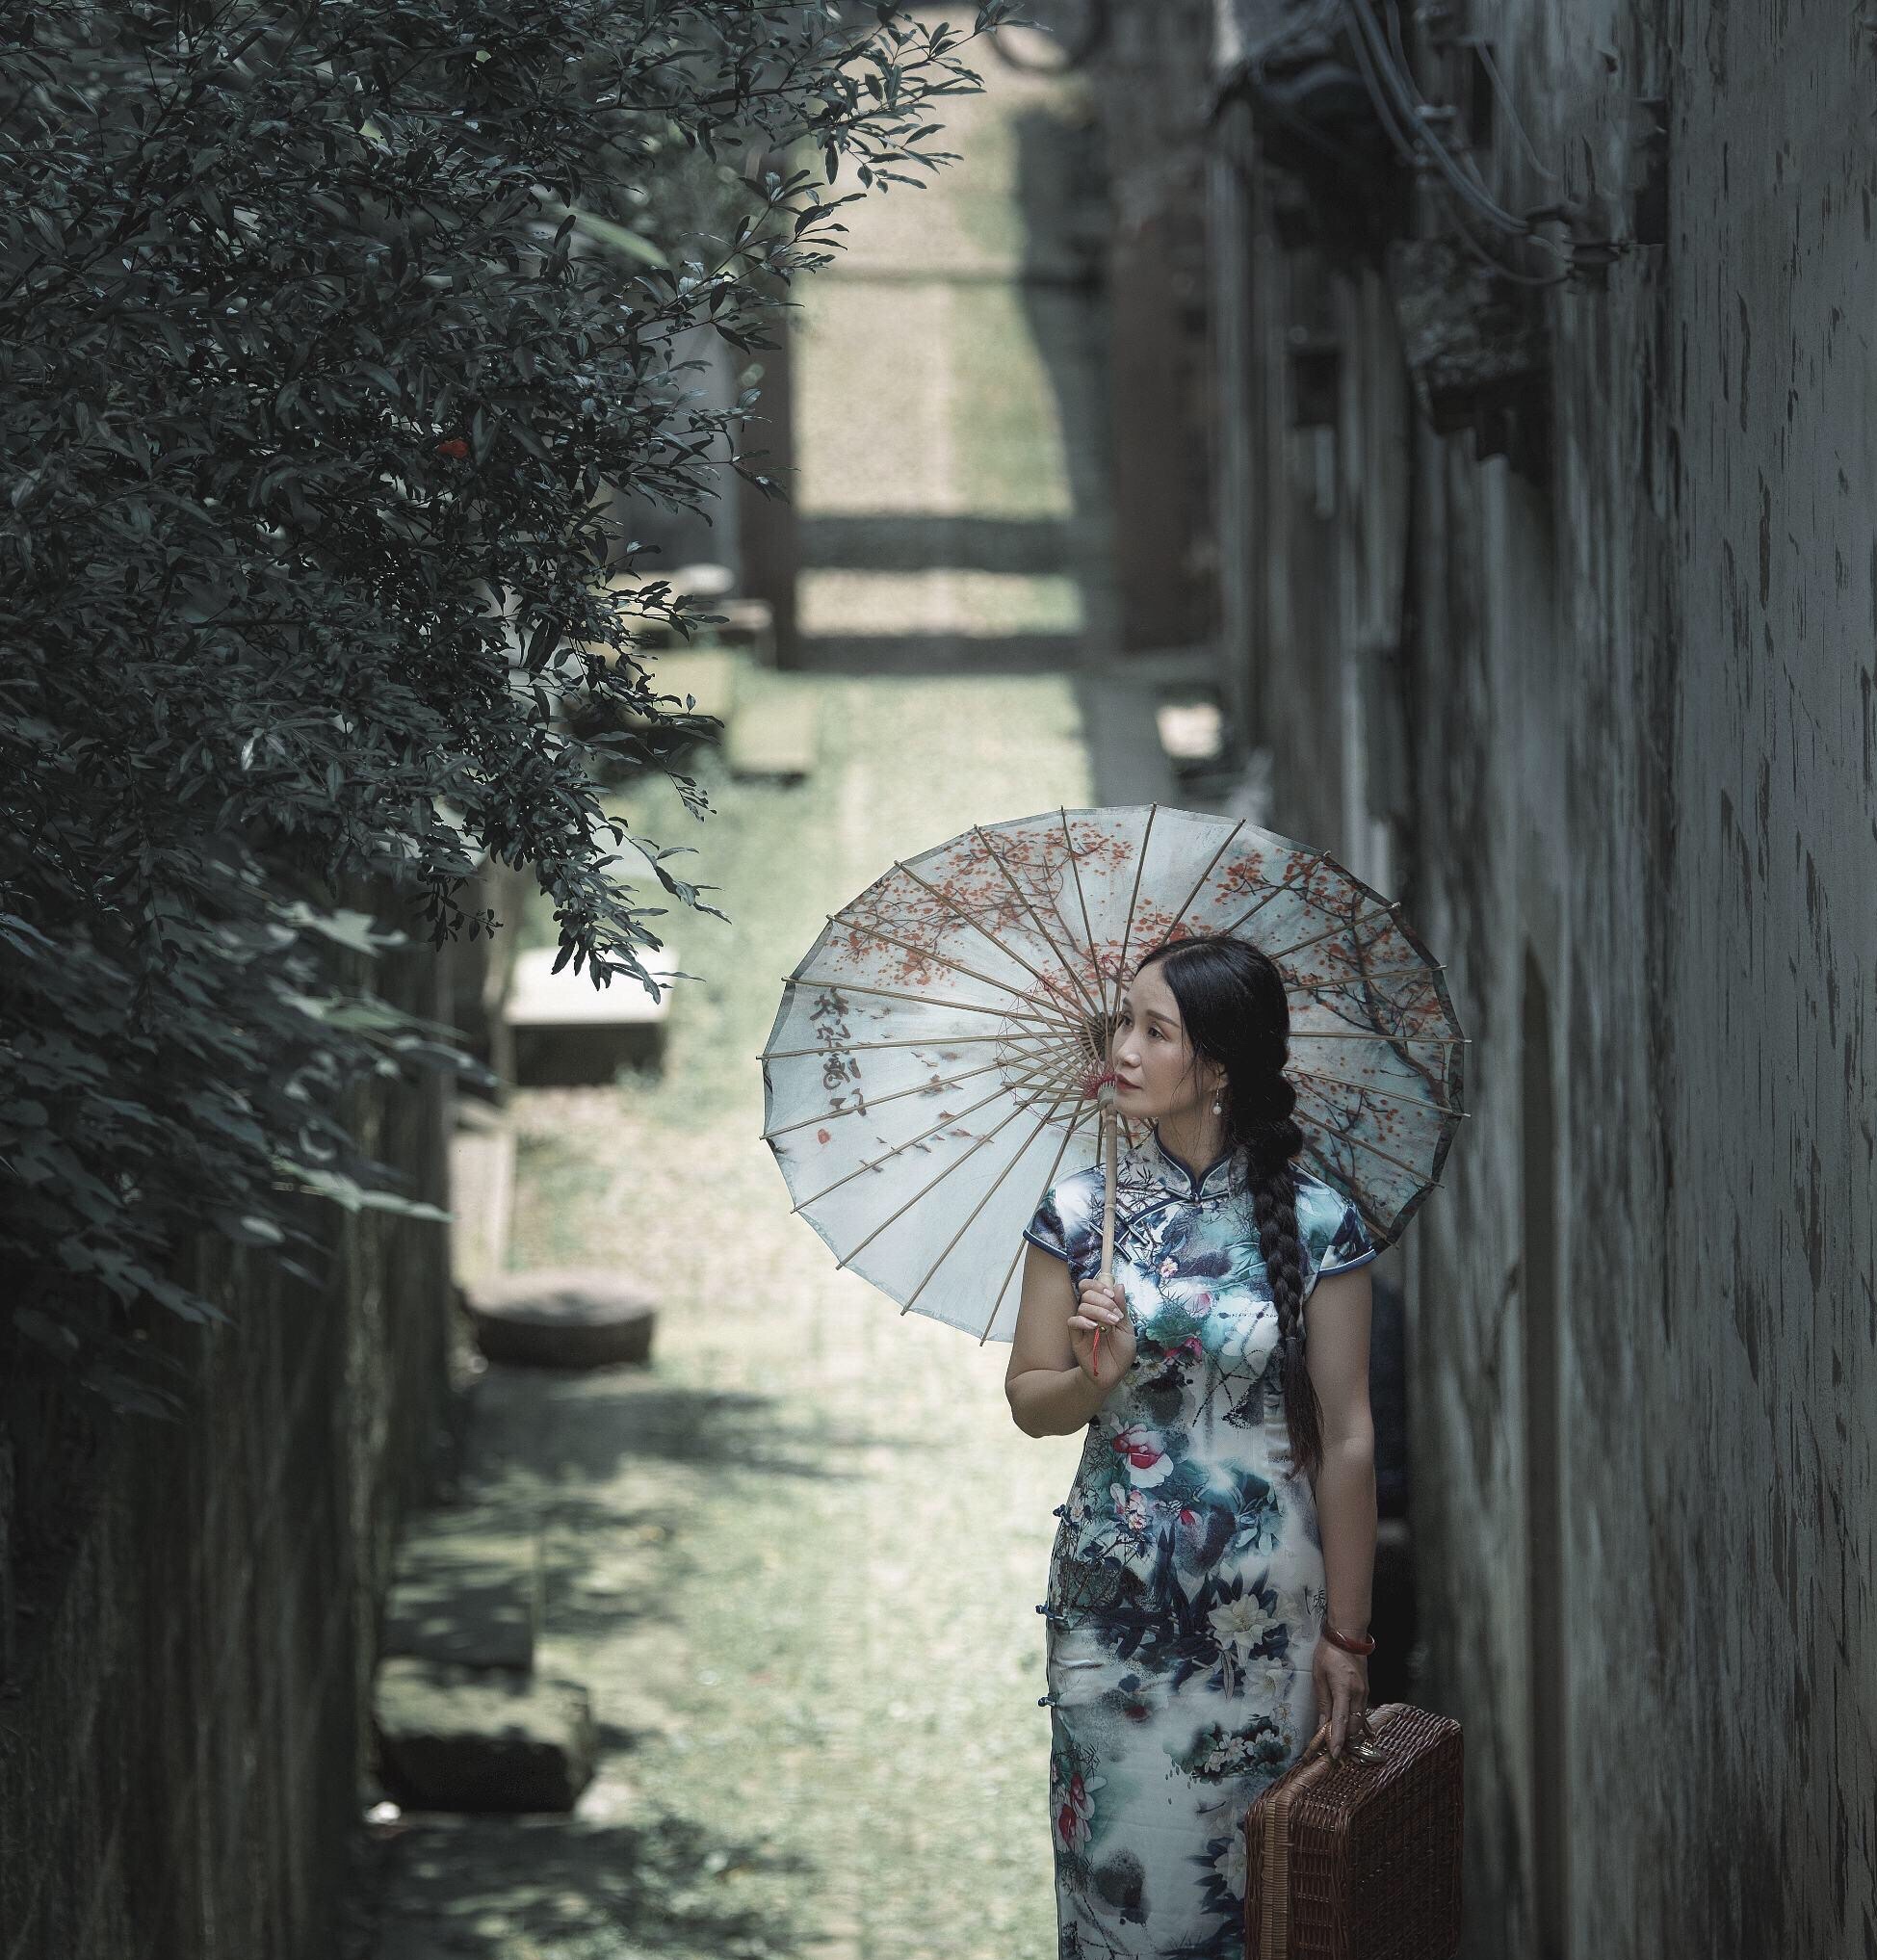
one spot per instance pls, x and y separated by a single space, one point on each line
1263 1122
1232 1000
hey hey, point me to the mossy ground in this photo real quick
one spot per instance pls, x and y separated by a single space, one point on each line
795 1560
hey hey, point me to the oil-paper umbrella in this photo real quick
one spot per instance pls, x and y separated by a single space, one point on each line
941 1055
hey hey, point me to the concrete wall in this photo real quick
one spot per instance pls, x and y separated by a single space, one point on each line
1622 757
185 1719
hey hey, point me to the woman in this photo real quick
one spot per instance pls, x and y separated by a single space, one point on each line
1219 1538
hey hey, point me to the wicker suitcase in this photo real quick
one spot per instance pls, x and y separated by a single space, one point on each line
1359 1860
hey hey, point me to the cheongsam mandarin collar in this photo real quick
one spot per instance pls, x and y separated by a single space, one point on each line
1177 1176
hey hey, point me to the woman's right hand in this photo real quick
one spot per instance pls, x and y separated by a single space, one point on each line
1102 1307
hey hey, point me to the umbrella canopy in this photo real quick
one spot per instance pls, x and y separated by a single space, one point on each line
932 1067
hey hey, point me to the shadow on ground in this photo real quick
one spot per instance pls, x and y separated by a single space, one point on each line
574 1435
515 1888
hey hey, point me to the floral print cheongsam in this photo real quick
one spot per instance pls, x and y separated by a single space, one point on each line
1187 1582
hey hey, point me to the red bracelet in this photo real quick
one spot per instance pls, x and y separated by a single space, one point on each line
1350 1643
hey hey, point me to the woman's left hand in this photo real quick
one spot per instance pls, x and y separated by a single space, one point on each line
1341 1681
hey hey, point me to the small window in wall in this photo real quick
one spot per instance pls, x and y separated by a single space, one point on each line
1315 404
1316 384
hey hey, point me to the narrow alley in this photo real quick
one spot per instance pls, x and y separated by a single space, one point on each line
797 1562
1407 476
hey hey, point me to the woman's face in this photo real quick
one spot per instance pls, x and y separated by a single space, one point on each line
1151 1055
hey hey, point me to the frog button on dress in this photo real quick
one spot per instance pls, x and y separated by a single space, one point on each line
1185 1583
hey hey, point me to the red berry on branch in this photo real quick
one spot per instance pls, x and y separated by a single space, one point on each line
456 445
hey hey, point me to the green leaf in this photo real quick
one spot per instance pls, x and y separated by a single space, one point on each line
303 423
249 1230
357 930
621 238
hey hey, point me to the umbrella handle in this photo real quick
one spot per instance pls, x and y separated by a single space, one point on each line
1111 1124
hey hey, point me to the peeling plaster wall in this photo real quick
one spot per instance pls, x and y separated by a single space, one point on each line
1639 710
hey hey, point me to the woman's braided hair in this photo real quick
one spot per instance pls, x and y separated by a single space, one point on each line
1233 1004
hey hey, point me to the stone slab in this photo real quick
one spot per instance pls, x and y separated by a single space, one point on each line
480 1738
467 1588
1191 730
561 1317
749 626
776 739
568 1031
709 673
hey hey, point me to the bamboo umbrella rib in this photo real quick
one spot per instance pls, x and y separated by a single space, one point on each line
1060 1074
1354 980
1042 1123
924 1088
944 1123
1046 1070
1085 1040
842 987
1206 873
1377 1034
1376 1089
928 953
985 931
1082 899
1367 1216
874 1162
1066 1080
1283 885
1076 1065
1046 1076
965 1157
1389 1157
909 1041
1049 1178
1009 1273
1023 899
1387 913
1133 897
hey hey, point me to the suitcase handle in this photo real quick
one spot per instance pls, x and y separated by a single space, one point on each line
1365 1749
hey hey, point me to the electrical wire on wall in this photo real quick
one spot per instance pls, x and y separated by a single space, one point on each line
1381 62
1393 85
1505 96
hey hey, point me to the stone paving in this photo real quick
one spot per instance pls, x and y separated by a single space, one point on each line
795 1560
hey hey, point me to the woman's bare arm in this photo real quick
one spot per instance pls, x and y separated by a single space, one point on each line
1048 1390
1336 1348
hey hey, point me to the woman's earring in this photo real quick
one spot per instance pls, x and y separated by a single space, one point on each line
1217 1110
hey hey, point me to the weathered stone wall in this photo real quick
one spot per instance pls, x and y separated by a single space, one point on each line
1146 82
185 1719
1629 786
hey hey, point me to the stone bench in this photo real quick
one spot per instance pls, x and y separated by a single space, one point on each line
776 739
453 1738
567 1031
561 1317
706 676
705 672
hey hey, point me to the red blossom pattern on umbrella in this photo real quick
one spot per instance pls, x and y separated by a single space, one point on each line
950 1034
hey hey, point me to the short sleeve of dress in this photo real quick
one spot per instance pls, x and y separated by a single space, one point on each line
1349 1247
1045 1228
